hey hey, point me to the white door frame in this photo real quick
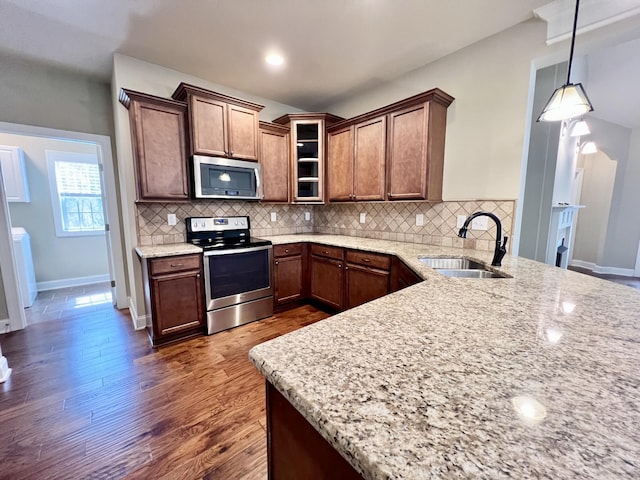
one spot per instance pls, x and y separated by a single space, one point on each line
117 268
15 307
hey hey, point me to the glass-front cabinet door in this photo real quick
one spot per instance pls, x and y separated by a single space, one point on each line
307 162
308 134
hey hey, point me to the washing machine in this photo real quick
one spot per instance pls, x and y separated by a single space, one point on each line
24 265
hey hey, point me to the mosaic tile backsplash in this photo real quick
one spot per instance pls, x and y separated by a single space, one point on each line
384 220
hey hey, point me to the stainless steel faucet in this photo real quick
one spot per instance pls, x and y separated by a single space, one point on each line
501 249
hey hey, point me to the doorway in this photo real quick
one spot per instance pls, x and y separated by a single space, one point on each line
74 229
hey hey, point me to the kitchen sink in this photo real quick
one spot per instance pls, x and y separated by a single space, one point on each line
453 263
461 268
462 273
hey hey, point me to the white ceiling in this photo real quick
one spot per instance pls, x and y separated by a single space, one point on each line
334 48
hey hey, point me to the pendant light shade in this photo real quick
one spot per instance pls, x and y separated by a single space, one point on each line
580 128
570 100
566 102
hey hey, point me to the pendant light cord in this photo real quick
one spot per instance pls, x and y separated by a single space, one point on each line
573 41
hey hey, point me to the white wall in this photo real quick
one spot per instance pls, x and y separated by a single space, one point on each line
145 77
55 258
597 191
486 124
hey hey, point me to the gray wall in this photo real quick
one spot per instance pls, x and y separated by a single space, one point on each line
541 168
55 258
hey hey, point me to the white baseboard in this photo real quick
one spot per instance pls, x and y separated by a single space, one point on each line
623 272
139 322
5 371
72 282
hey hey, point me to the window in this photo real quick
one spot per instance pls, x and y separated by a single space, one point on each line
76 193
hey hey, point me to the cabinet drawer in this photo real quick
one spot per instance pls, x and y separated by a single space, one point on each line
368 259
288 250
180 263
326 251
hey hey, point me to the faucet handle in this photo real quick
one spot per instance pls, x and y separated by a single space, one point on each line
504 242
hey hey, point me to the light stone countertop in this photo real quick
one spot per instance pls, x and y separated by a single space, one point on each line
166 250
422 383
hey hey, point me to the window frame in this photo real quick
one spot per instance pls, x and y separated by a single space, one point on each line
54 156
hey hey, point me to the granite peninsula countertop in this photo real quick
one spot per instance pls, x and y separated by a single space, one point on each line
535 376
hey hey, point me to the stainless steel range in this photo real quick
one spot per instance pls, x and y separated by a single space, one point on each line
237 271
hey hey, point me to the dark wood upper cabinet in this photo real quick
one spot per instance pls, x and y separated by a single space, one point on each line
393 153
369 162
415 157
308 137
158 130
340 164
220 125
273 153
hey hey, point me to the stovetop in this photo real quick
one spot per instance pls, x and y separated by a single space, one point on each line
222 233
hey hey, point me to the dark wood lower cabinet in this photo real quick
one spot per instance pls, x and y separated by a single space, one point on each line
364 284
295 450
174 297
289 273
402 276
326 280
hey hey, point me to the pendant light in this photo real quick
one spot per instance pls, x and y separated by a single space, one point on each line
580 129
588 148
570 100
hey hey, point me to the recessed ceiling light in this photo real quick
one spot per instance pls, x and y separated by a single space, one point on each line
274 59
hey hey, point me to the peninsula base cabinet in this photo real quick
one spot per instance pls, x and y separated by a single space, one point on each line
367 277
174 297
295 449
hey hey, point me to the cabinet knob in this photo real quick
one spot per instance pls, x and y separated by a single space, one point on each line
198 276
366 260
286 250
277 262
339 265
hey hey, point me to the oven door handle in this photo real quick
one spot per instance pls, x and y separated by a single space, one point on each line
223 251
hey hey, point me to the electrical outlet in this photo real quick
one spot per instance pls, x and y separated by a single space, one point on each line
171 219
274 216
307 216
460 221
419 219
363 217
480 223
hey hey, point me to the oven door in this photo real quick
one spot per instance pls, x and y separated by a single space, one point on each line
237 276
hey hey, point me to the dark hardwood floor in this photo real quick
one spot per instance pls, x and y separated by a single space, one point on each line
90 398
632 282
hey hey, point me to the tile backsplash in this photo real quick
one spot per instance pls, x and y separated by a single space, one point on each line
384 220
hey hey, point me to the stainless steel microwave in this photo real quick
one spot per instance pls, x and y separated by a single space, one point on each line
216 177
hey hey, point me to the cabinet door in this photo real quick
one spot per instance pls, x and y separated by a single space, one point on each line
407 162
161 156
288 276
243 133
177 303
208 127
14 174
369 164
308 160
364 284
326 281
274 159
402 276
340 165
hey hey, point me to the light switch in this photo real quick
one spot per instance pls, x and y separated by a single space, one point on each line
274 216
307 216
419 219
480 223
171 219
363 217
